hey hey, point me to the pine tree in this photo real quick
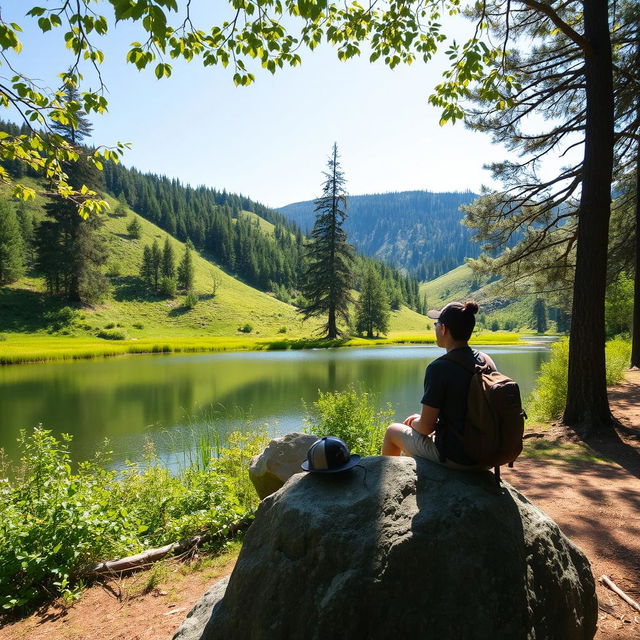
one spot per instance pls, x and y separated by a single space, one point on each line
146 268
185 270
156 264
134 228
373 306
329 258
70 250
168 262
539 315
11 246
74 132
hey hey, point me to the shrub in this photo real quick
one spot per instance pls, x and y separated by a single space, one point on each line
114 270
110 325
112 334
351 415
191 300
167 287
62 317
282 330
246 328
3 338
54 521
550 395
138 325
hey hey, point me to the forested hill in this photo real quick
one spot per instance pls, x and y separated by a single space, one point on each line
216 223
416 230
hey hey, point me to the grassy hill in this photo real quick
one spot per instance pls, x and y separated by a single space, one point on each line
495 309
237 316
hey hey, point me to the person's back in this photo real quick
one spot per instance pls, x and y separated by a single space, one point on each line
446 387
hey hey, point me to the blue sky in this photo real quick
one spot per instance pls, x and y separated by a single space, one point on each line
270 141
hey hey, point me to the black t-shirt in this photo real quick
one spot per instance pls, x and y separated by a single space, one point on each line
446 386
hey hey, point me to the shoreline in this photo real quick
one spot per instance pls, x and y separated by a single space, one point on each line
26 349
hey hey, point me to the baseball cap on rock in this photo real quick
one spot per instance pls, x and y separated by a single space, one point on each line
457 316
329 455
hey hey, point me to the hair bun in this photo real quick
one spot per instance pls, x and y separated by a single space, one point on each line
471 306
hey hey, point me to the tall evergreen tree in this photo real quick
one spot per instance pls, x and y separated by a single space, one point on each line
539 315
373 306
185 269
329 257
146 268
168 262
74 132
11 245
71 251
156 263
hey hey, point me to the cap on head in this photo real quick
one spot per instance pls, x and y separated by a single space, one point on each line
329 455
458 317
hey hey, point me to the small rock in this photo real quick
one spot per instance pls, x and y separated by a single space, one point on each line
280 460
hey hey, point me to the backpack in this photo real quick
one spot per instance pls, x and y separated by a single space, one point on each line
494 424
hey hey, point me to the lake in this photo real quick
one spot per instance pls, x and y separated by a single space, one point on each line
163 398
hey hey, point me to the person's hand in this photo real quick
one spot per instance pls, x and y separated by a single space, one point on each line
409 421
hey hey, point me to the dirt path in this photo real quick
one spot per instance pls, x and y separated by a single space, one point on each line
596 504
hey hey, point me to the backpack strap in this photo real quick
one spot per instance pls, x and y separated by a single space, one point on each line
463 362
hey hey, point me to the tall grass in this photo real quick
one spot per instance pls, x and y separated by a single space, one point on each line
548 399
25 349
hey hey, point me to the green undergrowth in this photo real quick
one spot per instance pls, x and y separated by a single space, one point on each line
55 520
351 415
549 397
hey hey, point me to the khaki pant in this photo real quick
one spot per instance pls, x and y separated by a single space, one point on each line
416 444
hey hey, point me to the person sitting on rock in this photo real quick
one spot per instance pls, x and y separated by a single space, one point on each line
446 386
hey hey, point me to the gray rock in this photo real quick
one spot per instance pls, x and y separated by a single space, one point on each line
278 462
196 620
404 548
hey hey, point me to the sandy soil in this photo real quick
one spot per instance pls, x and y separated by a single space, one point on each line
596 504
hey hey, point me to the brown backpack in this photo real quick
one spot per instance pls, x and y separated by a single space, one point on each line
494 424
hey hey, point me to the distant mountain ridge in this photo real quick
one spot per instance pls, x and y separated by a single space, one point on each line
419 231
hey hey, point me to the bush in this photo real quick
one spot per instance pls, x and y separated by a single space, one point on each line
167 287
352 416
550 395
246 328
191 300
282 330
138 325
110 325
53 521
63 317
114 270
3 338
112 334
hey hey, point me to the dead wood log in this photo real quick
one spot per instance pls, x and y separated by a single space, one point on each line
607 581
145 558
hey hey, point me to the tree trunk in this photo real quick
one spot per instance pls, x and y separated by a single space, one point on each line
587 408
635 331
332 326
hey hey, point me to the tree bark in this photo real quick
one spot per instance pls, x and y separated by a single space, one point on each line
635 331
587 409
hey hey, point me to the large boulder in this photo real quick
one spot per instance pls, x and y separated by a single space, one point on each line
404 548
280 460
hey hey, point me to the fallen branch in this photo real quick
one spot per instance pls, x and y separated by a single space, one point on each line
607 581
148 557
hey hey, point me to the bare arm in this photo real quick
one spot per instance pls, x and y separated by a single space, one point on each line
425 422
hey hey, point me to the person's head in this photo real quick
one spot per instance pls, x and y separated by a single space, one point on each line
454 323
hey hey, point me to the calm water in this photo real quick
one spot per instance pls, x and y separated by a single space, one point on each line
161 398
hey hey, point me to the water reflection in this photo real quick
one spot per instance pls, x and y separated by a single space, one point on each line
161 397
